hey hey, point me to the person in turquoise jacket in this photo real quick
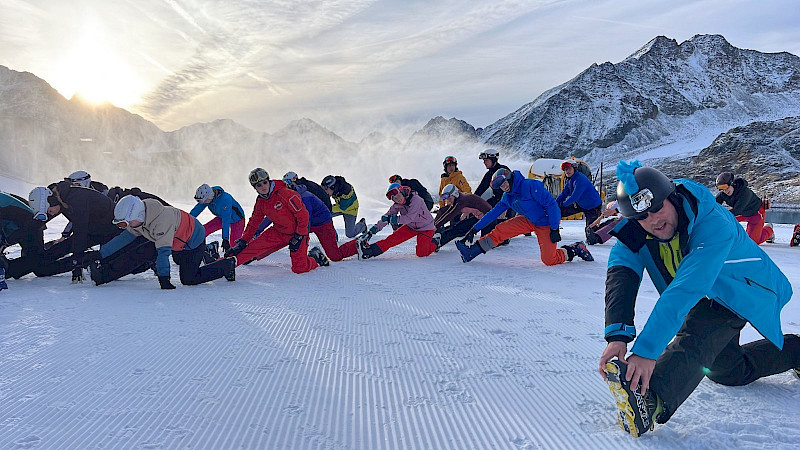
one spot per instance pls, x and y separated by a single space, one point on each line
712 280
229 214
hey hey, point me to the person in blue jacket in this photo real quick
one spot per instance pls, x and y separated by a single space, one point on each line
712 280
229 214
538 213
579 196
18 226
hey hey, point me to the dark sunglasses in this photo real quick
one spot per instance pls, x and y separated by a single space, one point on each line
653 209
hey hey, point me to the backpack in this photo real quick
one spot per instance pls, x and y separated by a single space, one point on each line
583 168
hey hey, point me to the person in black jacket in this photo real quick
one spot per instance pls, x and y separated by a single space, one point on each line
18 226
485 191
415 186
745 205
83 179
116 193
291 179
91 214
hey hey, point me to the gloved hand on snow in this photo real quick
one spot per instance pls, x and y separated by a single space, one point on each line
555 236
295 241
236 249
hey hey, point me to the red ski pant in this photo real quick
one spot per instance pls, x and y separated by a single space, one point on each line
271 241
551 255
424 245
755 226
327 238
215 224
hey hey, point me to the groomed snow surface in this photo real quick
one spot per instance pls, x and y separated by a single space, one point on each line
398 352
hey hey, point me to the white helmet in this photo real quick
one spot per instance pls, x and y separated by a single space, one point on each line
203 193
449 191
80 178
289 178
489 153
129 208
37 200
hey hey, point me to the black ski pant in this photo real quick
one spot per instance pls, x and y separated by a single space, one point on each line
590 215
190 271
32 243
459 229
136 257
55 260
708 345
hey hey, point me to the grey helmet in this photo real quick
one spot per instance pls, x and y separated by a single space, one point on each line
641 190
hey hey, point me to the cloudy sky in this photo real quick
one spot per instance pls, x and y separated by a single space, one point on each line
351 65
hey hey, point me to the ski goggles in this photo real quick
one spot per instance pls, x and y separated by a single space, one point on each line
449 160
290 180
259 177
487 155
446 196
500 179
392 192
722 187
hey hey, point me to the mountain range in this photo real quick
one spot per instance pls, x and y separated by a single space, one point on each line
665 104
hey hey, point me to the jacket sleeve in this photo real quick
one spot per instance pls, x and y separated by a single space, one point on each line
484 184
118 242
544 198
564 192
198 208
392 211
445 215
710 243
347 200
226 211
299 211
254 221
442 183
463 185
493 213
623 278
80 229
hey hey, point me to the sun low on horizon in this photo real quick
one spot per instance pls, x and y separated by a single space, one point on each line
92 71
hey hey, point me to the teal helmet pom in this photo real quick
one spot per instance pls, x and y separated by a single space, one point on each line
625 175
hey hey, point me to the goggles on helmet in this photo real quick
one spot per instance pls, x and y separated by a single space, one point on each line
722 187
500 178
487 155
258 177
449 160
394 179
392 192
446 195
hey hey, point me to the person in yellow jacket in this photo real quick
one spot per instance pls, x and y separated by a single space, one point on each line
452 176
346 204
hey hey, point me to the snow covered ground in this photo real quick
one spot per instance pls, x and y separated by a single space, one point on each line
395 352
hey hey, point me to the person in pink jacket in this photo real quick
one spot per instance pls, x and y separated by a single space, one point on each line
410 212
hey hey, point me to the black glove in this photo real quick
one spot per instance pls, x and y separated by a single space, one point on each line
77 276
226 245
163 280
295 241
236 249
555 236
470 234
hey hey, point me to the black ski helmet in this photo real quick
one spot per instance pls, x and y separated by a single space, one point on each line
650 188
329 182
257 175
725 179
449 160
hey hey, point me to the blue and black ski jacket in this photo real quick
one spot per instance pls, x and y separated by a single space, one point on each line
527 197
223 206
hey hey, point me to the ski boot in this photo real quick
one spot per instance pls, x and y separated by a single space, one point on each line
637 414
319 257
795 237
212 252
577 249
230 271
437 241
367 250
771 238
3 284
469 252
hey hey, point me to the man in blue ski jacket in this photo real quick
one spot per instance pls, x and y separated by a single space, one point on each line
712 279
579 196
229 214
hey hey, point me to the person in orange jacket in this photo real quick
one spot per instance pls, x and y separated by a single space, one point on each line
452 176
289 217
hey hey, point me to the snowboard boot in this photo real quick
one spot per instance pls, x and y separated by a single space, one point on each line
469 252
771 238
367 250
577 249
437 241
319 257
636 414
3 284
796 372
230 271
212 252
361 226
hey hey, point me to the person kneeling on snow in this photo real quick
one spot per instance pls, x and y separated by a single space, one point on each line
712 280
745 205
229 215
538 213
172 231
461 211
284 207
410 212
